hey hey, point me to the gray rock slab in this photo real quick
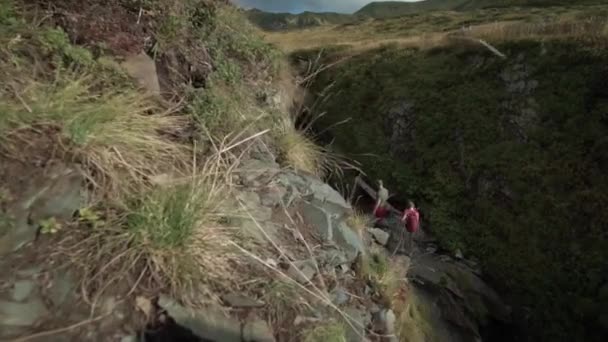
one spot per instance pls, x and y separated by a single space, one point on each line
339 296
210 324
253 170
237 300
325 193
22 314
303 273
348 240
319 219
257 330
22 289
380 235
359 319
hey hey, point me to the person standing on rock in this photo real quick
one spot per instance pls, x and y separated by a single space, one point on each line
381 210
411 219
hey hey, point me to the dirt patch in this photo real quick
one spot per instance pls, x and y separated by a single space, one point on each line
123 28
68 314
28 157
26 153
106 24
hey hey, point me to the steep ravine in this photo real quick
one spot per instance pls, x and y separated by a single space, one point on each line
505 158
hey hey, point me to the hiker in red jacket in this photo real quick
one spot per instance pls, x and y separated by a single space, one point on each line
411 219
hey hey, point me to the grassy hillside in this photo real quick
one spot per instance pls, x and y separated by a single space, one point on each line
391 9
505 156
288 21
431 29
395 9
127 185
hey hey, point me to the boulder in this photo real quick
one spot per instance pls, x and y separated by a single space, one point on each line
384 324
339 296
389 320
316 192
431 248
176 69
302 272
319 219
209 324
348 240
324 193
257 330
143 69
236 300
253 206
129 338
458 254
22 314
380 235
22 289
272 196
61 287
252 216
58 193
253 170
464 299
294 180
332 257
252 229
359 319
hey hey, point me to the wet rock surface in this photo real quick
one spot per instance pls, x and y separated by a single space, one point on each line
462 302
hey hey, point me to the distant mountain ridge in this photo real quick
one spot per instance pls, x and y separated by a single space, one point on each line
284 21
391 9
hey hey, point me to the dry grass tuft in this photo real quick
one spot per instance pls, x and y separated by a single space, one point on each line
300 152
169 239
592 30
116 134
412 323
359 221
179 230
386 276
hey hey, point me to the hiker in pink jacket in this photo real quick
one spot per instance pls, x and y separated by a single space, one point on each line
411 219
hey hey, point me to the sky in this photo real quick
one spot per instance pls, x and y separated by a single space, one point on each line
297 6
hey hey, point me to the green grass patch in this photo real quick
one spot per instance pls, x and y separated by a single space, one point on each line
167 218
234 38
413 323
330 332
376 269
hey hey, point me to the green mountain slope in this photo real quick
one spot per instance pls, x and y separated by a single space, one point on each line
505 157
